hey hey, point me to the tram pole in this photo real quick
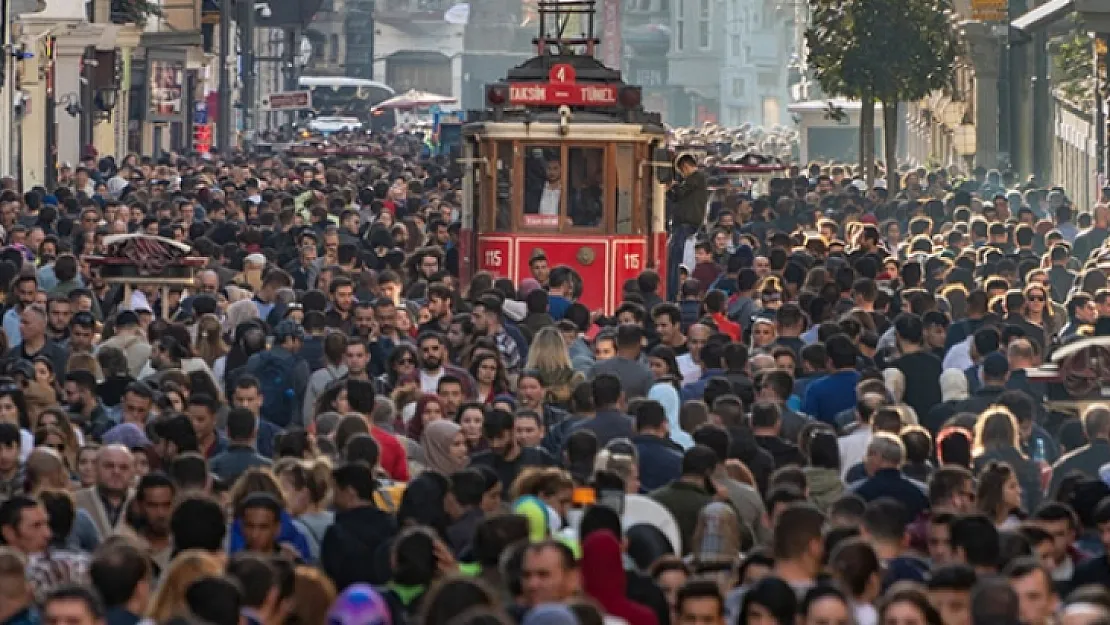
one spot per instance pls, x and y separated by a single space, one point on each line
223 118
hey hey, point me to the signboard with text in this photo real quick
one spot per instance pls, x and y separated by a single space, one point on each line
990 10
563 88
288 101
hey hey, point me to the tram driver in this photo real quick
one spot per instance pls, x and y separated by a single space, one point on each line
544 199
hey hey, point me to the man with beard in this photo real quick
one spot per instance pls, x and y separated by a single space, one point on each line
505 456
25 287
105 501
154 497
342 292
82 331
58 314
433 366
84 406
439 306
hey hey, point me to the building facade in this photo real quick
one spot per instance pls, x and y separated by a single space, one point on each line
759 44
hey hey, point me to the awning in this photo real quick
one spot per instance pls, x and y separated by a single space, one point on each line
1043 15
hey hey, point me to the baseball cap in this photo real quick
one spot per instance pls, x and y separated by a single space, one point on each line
287 329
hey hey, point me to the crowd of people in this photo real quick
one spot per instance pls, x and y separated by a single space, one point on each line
832 421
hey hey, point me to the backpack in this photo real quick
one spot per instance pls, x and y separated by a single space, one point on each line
275 376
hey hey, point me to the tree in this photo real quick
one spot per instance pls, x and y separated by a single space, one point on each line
887 51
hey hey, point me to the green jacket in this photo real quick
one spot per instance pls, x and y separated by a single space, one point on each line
684 501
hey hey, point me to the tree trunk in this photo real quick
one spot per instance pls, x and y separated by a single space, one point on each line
867 137
890 145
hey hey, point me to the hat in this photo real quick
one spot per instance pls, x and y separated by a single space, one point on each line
255 259
995 365
288 329
359 605
861 185
879 184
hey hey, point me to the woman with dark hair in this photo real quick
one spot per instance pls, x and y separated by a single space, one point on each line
423 503
401 364
667 388
489 374
905 604
770 601
250 338
470 417
997 440
823 469
999 495
13 409
429 408
825 605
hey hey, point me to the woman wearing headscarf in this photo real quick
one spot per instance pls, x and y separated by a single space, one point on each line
953 390
550 614
604 579
445 450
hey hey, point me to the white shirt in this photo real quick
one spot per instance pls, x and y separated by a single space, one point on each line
549 201
429 382
959 357
690 370
853 448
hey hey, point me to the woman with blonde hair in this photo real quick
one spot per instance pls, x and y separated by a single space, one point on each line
549 357
307 488
187 567
210 345
997 439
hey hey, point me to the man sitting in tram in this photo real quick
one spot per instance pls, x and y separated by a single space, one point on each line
544 199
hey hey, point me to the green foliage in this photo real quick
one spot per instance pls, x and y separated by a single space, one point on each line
898 50
1073 68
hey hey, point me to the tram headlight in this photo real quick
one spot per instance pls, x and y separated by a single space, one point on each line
564 120
496 95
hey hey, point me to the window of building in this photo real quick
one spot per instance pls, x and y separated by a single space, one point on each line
680 26
737 88
703 25
333 49
737 44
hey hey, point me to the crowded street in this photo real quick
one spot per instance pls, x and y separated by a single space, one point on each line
581 345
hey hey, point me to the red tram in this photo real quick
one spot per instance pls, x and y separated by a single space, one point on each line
565 161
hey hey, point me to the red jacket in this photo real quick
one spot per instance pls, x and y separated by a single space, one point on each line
732 329
392 456
604 579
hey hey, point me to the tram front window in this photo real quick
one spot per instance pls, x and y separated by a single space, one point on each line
586 200
560 192
543 186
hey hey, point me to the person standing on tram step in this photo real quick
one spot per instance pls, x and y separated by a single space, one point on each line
690 197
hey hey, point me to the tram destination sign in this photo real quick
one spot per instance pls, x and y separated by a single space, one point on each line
562 88
570 94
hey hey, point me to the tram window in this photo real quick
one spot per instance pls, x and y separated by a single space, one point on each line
625 181
543 186
504 207
586 193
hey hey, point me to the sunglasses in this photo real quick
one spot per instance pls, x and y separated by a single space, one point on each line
406 361
1036 298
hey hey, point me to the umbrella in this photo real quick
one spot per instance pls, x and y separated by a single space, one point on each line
413 99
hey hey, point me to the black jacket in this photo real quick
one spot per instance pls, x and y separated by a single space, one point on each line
690 197
356 547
